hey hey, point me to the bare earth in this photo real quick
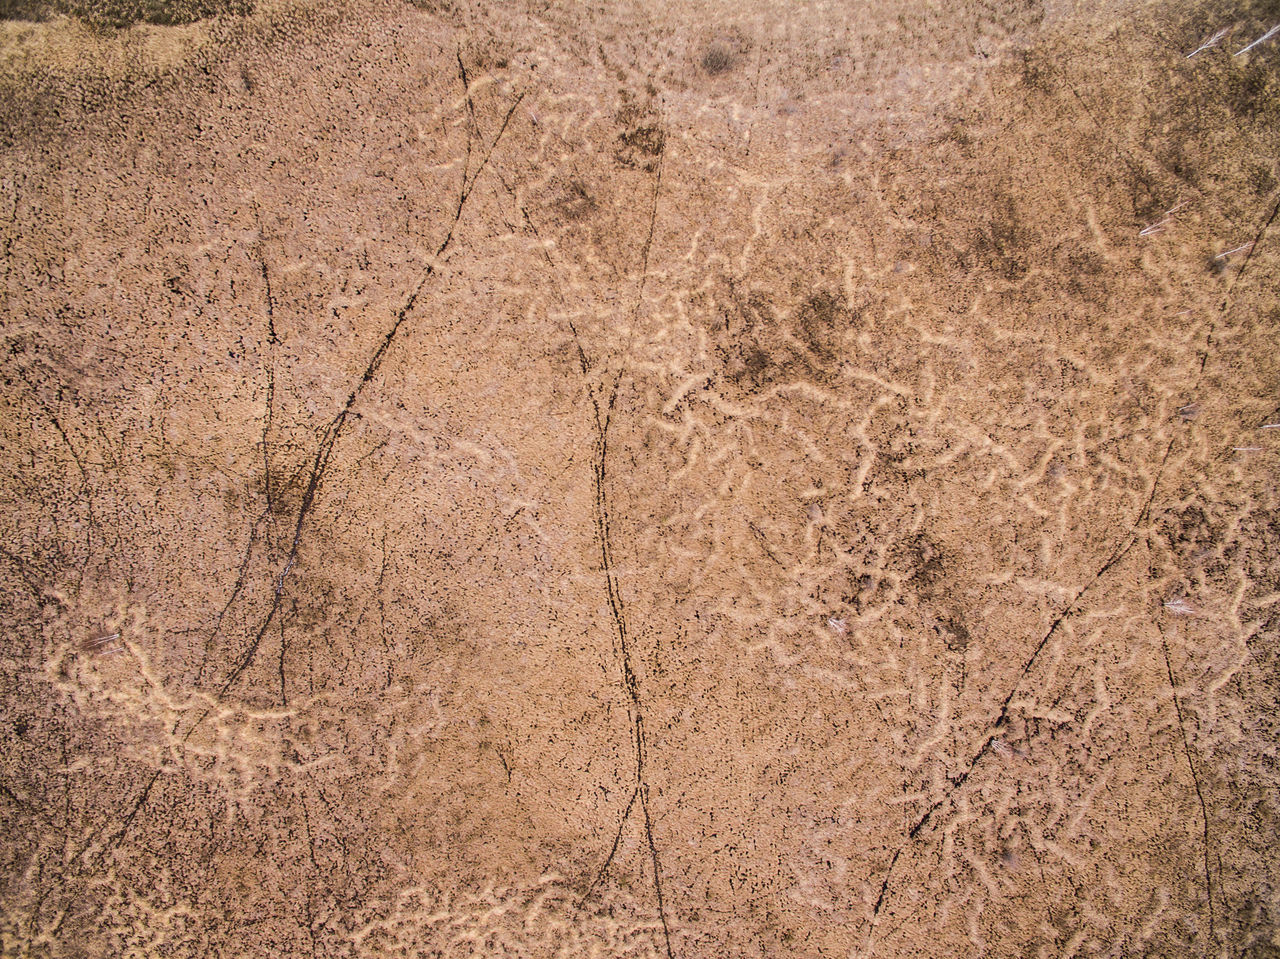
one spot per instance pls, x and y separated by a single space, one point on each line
733 479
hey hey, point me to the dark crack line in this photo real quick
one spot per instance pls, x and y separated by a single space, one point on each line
506 121
1143 517
319 469
272 339
320 466
957 782
473 127
334 430
133 812
884 886
648 240
85 490
613 850
33 584
1227 302
584 364
241 578
764 545
602 411
466 88
617 607
266 438
469 179
311 847
657 869
1257 241
1195 778
27 806
284 651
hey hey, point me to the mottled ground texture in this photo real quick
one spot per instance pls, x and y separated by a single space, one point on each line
736 479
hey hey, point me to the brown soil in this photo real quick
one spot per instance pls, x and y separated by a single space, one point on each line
538 479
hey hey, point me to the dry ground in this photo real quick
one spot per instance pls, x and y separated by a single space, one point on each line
547 479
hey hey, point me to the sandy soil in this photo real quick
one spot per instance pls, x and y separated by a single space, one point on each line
738 479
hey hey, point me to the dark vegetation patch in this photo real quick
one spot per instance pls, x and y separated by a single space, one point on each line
575 202
956 634
1253 92
759 348
1002 244
445 9
822 319
642 139
717 59
1195 539
1035 71
640 146
114 14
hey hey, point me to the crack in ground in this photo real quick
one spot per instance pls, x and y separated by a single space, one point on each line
1195 779
956 783
635 704
602 411
328 441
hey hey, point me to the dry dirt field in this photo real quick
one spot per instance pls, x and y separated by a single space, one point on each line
697 481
